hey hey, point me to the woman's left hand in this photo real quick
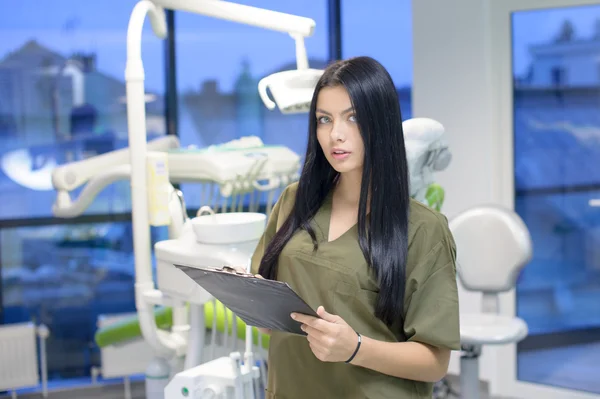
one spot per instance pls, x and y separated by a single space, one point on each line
331 339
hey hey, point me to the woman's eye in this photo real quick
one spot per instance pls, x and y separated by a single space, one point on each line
323 119
352 118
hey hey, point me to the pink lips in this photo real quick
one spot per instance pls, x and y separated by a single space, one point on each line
339 154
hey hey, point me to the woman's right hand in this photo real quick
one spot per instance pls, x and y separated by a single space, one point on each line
266 331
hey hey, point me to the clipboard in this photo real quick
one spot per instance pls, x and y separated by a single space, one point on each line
258 302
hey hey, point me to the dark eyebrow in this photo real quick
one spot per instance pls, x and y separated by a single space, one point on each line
343 112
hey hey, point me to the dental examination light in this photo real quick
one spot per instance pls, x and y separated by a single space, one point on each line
291 90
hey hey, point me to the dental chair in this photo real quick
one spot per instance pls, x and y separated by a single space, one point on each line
493 245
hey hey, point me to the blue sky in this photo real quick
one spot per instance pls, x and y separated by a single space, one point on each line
209 48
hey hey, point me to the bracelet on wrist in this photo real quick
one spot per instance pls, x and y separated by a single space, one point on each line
357 348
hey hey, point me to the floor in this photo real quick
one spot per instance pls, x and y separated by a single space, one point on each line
570 367
99 392
137 392
455 386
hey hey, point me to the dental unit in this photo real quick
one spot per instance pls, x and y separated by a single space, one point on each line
220 233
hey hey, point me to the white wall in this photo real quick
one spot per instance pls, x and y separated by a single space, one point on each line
451 84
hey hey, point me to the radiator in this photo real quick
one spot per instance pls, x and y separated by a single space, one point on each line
19 358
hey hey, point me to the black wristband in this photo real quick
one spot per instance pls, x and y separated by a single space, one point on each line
356 350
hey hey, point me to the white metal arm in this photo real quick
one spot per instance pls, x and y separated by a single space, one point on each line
63 206
259 17
297 27
98 172
72 175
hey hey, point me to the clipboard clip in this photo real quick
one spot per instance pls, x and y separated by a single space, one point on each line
235 270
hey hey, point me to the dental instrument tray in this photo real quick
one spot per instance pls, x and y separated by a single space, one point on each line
258 302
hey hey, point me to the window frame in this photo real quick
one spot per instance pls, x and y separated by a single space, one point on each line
504 381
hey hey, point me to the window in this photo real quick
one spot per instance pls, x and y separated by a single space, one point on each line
62 96
66 276
556 131
384 33
62 99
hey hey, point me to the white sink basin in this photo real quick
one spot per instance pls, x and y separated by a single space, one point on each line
229 228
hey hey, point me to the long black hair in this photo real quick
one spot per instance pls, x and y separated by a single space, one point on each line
384 238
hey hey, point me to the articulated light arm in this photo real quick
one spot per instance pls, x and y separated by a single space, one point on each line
297 27
259 17
301 54
158 21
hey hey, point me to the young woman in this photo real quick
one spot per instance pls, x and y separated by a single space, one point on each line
378 266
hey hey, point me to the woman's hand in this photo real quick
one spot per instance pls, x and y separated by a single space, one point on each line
331 339
266 331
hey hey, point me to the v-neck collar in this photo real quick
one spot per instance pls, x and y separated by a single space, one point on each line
323 220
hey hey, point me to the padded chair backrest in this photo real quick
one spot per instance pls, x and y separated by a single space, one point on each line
493 244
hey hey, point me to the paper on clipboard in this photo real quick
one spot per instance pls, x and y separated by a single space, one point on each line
258 302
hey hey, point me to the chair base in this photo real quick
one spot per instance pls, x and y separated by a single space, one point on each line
469 372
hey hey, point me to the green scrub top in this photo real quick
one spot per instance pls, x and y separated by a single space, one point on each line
337 277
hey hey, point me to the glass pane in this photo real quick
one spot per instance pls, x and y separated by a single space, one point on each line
384 33
66 277
219 65
556 55
62 96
